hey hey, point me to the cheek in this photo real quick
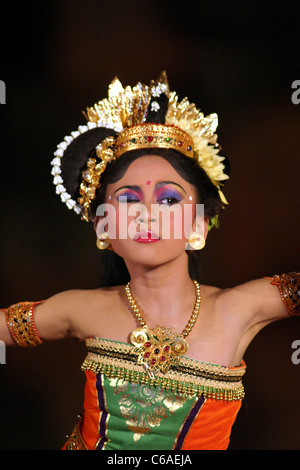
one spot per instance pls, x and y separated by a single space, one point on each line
125 220
176 222
183 220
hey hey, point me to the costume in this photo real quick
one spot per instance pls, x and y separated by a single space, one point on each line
192 406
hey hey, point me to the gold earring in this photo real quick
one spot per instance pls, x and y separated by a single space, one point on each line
103 241
196 241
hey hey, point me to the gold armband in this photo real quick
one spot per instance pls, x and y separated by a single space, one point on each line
20 321
289 288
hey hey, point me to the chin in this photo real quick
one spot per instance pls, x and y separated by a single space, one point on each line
151 254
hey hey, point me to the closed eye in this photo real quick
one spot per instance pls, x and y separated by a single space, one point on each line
127 199
128 196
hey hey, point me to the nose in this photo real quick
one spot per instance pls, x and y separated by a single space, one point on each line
146 215
142 220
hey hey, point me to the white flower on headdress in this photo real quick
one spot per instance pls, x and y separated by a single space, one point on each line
56 163
159 89
154 106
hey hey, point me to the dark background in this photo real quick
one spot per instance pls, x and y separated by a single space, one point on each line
236 58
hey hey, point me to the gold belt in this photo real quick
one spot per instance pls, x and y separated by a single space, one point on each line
75 440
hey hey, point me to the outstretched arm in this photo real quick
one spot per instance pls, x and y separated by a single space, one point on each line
247 308
30 323
289 289
266 300
278 297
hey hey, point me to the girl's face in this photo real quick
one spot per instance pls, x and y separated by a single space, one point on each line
151 212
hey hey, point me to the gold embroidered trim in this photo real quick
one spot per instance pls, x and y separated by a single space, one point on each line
20 321
190 377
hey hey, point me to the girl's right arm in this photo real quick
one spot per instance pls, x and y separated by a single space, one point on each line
30 323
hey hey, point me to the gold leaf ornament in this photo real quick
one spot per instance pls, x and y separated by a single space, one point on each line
91 176
124 107
202 129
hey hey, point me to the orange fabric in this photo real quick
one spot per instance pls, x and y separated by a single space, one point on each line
90 427
212 427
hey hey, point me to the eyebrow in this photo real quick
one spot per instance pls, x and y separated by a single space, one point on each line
157 186
132 187
163 183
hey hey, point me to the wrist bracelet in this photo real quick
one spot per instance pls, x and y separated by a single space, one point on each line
20 321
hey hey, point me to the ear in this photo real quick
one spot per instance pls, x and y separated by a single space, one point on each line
200 225
96 220
206 222
106 222
97 227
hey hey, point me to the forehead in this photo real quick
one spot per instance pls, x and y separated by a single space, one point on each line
149 169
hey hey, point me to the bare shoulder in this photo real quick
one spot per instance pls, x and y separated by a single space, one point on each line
75 299
65 314
209 293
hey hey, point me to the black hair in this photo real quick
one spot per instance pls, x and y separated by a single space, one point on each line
113 270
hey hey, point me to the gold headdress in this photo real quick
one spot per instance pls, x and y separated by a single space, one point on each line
125 112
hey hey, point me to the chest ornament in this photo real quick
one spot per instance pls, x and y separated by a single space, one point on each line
159 348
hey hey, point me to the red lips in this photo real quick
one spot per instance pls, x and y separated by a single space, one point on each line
146 236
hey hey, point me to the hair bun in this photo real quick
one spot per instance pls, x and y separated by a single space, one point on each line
76 155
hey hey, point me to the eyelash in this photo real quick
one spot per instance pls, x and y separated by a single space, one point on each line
131 198
168 197
170 200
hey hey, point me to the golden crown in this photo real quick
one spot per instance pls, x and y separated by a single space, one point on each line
148 135
124 112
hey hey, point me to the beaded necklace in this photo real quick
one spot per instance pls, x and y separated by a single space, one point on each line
159 348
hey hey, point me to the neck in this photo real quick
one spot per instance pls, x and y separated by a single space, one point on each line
163 293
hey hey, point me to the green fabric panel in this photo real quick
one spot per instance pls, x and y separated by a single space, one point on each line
143 418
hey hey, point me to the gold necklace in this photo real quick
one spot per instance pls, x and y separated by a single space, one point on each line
158 348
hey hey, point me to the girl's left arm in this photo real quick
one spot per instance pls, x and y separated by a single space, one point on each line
288 286
269 299
257 303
